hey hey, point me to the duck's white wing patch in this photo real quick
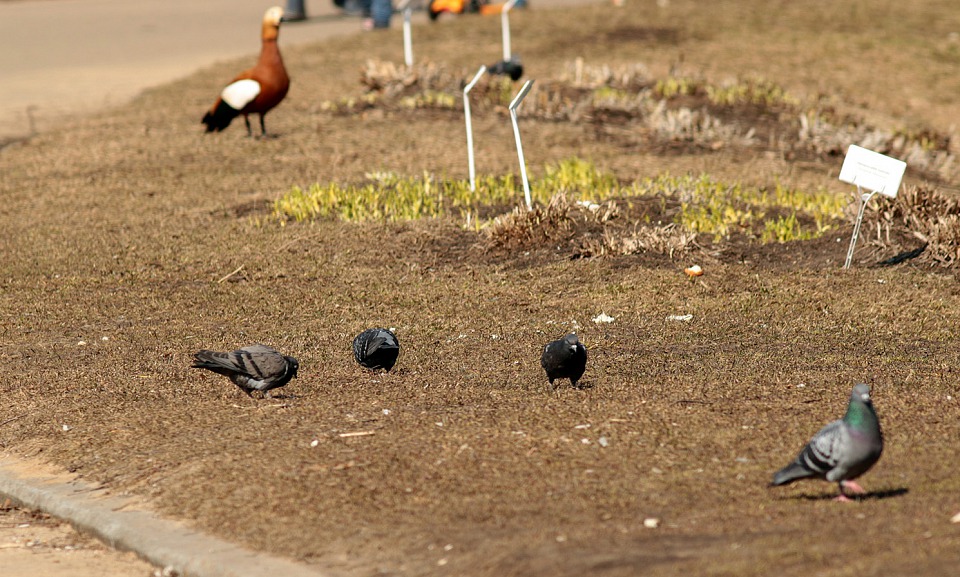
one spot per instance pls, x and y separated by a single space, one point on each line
240 93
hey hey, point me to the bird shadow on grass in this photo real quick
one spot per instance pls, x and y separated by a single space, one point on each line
870 495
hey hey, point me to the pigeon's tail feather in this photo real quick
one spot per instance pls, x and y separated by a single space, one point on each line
213 361
791 473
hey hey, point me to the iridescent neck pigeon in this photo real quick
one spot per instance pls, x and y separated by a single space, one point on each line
841 451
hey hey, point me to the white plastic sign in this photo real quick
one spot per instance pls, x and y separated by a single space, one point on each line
872 170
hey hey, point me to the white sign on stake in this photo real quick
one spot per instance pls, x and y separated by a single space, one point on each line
875 172
872 170
505 27
516 134
469 122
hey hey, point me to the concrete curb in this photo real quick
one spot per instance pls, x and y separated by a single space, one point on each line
115 521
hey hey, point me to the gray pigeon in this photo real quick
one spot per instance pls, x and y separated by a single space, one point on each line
841 451
564 359
253 368
376 349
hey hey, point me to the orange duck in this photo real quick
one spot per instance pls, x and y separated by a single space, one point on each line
256 90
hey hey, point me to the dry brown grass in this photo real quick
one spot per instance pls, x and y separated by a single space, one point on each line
634 108
522 228
117 228
920 215
670 240
592 229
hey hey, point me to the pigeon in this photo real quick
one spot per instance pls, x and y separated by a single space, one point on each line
564 359
512 68
842 450
376 349
253 368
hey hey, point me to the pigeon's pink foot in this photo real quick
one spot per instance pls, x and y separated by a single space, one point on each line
841 498
853 487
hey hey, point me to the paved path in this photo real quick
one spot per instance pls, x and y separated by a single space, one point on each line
68 56
40 546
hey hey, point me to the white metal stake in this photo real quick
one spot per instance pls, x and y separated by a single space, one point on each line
505 27
469 122
407 41
516 134
864 199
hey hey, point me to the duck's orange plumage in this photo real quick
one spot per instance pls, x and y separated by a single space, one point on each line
257 90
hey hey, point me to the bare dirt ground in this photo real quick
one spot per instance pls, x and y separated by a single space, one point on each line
118 227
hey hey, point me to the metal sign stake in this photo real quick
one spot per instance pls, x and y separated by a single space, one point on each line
407 36
864 199
469 122
505 27
516 134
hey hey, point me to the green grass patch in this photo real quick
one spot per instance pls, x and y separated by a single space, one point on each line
722 209
745 91
759 92
392 197
698 204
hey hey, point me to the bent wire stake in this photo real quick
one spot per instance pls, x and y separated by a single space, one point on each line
505 27
469 122
516 134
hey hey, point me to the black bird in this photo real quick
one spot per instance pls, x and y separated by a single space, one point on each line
253 368
512 68
564 359
376 349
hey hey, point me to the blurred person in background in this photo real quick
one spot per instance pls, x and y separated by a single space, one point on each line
296 11
376 14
